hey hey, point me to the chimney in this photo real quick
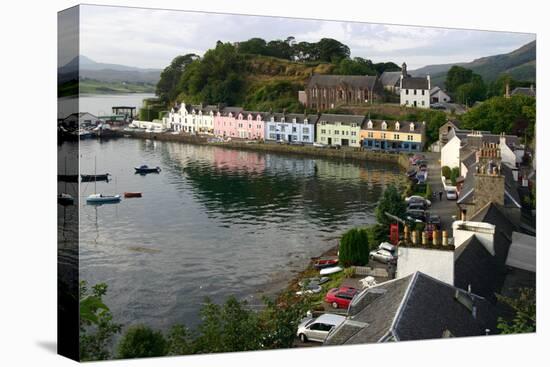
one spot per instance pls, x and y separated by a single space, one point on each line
435 237
404 70
444 238
415 237
424 238
406 233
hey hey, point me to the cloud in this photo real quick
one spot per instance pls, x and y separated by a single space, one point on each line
152 38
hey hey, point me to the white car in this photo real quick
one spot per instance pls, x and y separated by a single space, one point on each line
384 256
451 195
318 329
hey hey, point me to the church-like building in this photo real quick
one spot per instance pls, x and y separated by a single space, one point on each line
414 91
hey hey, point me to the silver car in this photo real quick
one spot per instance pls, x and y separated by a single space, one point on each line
318 329
384 256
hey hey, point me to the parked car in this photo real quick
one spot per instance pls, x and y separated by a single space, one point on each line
418 198
383 256
340 297
435 220
318 328
451 194
388 247
416 215
417 205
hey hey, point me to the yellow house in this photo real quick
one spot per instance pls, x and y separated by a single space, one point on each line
392 135
343 130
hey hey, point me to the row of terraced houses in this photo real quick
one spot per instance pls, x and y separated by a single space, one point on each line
327 129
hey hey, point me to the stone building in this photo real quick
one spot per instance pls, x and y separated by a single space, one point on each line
328 91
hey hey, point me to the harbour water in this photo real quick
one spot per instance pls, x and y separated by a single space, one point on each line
215 222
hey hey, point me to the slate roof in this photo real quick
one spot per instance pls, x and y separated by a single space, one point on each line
344 119
330 81
492 214
255 113
412 308
476 267
465 135
233 110
205 109
300 117
390 78
524 92
404 126
415 83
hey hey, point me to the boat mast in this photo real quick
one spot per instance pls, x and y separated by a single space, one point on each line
95 175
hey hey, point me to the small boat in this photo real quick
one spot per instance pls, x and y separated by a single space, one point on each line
93 178
102 199
325 263
65 199
332 270
132 194
146 169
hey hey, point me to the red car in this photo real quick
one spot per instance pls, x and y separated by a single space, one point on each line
340 297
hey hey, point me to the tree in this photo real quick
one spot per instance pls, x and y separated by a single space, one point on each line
456 76
391 202
170 76
525 313
471 92
179 341
354 247
256 46
96 323
330 50
357 66
141 341
446 172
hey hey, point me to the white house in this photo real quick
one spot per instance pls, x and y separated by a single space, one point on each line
438 95
414 91
290 127
192 119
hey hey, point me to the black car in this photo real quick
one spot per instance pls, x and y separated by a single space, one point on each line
416 215
435 220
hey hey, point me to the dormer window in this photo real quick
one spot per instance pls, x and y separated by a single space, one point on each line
272 119
282 119
240 116
369 124
294 121
305 121
397 126
411 126
384 125
258 118
249 117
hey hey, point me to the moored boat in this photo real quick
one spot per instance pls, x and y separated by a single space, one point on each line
325 263
146 169
92 178
102 199
65 199
132 194
332 270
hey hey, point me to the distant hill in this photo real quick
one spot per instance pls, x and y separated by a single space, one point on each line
520 64
110 73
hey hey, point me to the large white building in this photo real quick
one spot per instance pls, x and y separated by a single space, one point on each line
414 91
192 119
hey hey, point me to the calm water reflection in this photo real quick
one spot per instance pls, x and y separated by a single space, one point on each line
213 223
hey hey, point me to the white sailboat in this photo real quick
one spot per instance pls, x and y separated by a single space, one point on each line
96 198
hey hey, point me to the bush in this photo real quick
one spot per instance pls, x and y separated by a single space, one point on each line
354 247
428 191
391 202
141 341
455 172
446 171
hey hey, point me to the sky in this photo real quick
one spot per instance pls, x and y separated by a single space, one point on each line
151 38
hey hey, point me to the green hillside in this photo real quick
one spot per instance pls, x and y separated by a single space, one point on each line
520 64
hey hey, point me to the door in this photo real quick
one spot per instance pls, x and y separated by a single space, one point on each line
329 141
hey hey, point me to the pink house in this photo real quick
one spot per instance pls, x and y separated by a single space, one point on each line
233 122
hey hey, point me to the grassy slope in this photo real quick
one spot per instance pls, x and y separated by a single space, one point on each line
89 86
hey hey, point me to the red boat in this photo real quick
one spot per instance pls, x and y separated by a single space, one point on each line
132 194
325 263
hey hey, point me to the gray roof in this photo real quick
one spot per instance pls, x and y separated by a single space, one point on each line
476 267
344 119
466 136
404 126
524 92
511 196
412 308
415 83
255 113
390 78
492 214
355 81
233 110
300 117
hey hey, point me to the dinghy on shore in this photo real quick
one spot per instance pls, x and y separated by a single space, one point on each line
332 270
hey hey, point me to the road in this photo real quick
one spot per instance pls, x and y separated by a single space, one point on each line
444 208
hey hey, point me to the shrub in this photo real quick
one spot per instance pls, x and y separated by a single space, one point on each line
354 247
391 202
428 191
141 341
446 171
455 172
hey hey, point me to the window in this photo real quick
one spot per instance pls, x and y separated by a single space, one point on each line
370 134
383 135
336 132
415 92
323 138
353 141
406 91
271 136
395 136
305 130
294 129
422 94
305 137
409 137
422 101
323 131
353 133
